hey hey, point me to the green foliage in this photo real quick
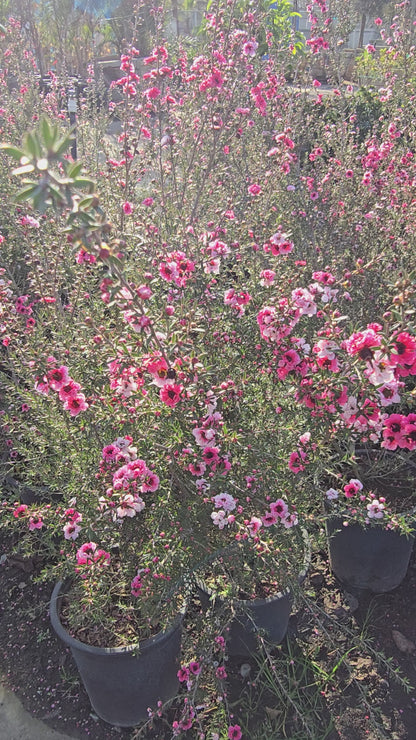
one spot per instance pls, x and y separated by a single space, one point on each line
43 156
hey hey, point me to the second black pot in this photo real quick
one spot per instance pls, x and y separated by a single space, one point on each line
370 558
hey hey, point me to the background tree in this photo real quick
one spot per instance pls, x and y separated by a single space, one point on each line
368 9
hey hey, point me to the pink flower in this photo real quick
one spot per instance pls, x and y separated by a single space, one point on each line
316 83
267 277
405 349
195 667
234 732
378 21
254 189
375 509
71 530
269 519
210 455
69 390
88 554
110 452
362 342
183 674
76 404
221 673
353 487
36 522
279 507
136 586
127 208
250 48
254 525
394 432
144 292
152 93
30 221
20 511
58 377
150 483
296 460
170 394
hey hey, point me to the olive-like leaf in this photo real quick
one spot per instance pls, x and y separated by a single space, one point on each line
12 151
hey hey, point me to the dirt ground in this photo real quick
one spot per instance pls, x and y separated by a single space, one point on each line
39 669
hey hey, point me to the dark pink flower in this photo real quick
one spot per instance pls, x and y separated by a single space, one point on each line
405 349
171 394
57 377
234 732
127 208
76 404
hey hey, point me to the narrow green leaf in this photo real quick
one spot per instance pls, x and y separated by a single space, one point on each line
49 133
73 170
31 143
61 146
24 170
85 202
84 182
55 194
26 193
12 151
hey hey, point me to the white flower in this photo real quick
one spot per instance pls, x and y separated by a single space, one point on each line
219 518
331 494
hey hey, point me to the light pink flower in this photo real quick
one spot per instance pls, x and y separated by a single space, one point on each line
224 501
35 522
71 530
332 494
254 525
375 509
130 506
250 48
204 437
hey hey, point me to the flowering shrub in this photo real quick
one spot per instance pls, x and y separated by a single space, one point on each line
193 341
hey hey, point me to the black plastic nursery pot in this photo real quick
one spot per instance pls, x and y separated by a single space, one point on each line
368 558
122 683
270 616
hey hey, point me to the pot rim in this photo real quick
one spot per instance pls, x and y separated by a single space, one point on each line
60 589
409 514
280 594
